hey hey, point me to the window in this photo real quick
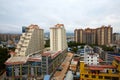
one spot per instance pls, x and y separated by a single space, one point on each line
100 77
115 78
86 76
106 77
93 76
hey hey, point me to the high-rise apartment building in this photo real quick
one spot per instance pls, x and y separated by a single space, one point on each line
100 36
5 37
90 36
31 41
85 36
79 35
104 35
58 38
116 38
28 62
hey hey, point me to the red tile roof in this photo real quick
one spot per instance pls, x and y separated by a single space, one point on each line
12 53
16 60
55 54
46 54
52 54
11 63
100 60
117 58
34 59
100 67
96 68
108 66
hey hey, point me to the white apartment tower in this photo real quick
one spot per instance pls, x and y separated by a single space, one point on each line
91 59
58 38
31 41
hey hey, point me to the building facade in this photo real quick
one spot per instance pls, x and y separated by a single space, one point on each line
100 72
6 37
116 39
58 38
100 36
30 62
31 41
35 66
104 35
26 62
51 60
91 59
79 35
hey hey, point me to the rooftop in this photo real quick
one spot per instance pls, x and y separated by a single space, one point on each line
34 59
57 26
96 68
32 26
59 75
16 60
117 58
100 67
22 59
100 60
52 54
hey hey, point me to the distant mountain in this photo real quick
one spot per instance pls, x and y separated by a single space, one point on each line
46 33
68 34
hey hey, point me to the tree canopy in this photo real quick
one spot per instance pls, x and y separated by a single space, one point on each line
3 57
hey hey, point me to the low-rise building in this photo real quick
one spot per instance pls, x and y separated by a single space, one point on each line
100 72
91 59
34 66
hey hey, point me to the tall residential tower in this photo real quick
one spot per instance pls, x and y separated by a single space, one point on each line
58 38
100 36
31 41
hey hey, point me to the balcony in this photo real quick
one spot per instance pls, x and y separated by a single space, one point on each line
23 49
23 34
25 45
29 34
26 41
28 37
18 46
19 43
22 53
16 50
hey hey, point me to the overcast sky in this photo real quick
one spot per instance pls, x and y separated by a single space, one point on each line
46 13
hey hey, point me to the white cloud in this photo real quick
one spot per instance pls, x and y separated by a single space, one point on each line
72 13
5 28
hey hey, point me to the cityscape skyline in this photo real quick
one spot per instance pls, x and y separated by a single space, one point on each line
72 13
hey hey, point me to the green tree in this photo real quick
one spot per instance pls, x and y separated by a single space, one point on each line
47 44
3 57
105 48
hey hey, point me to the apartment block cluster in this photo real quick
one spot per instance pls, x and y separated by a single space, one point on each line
116 38
30 60
9 40
92 67
6 37
100 36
